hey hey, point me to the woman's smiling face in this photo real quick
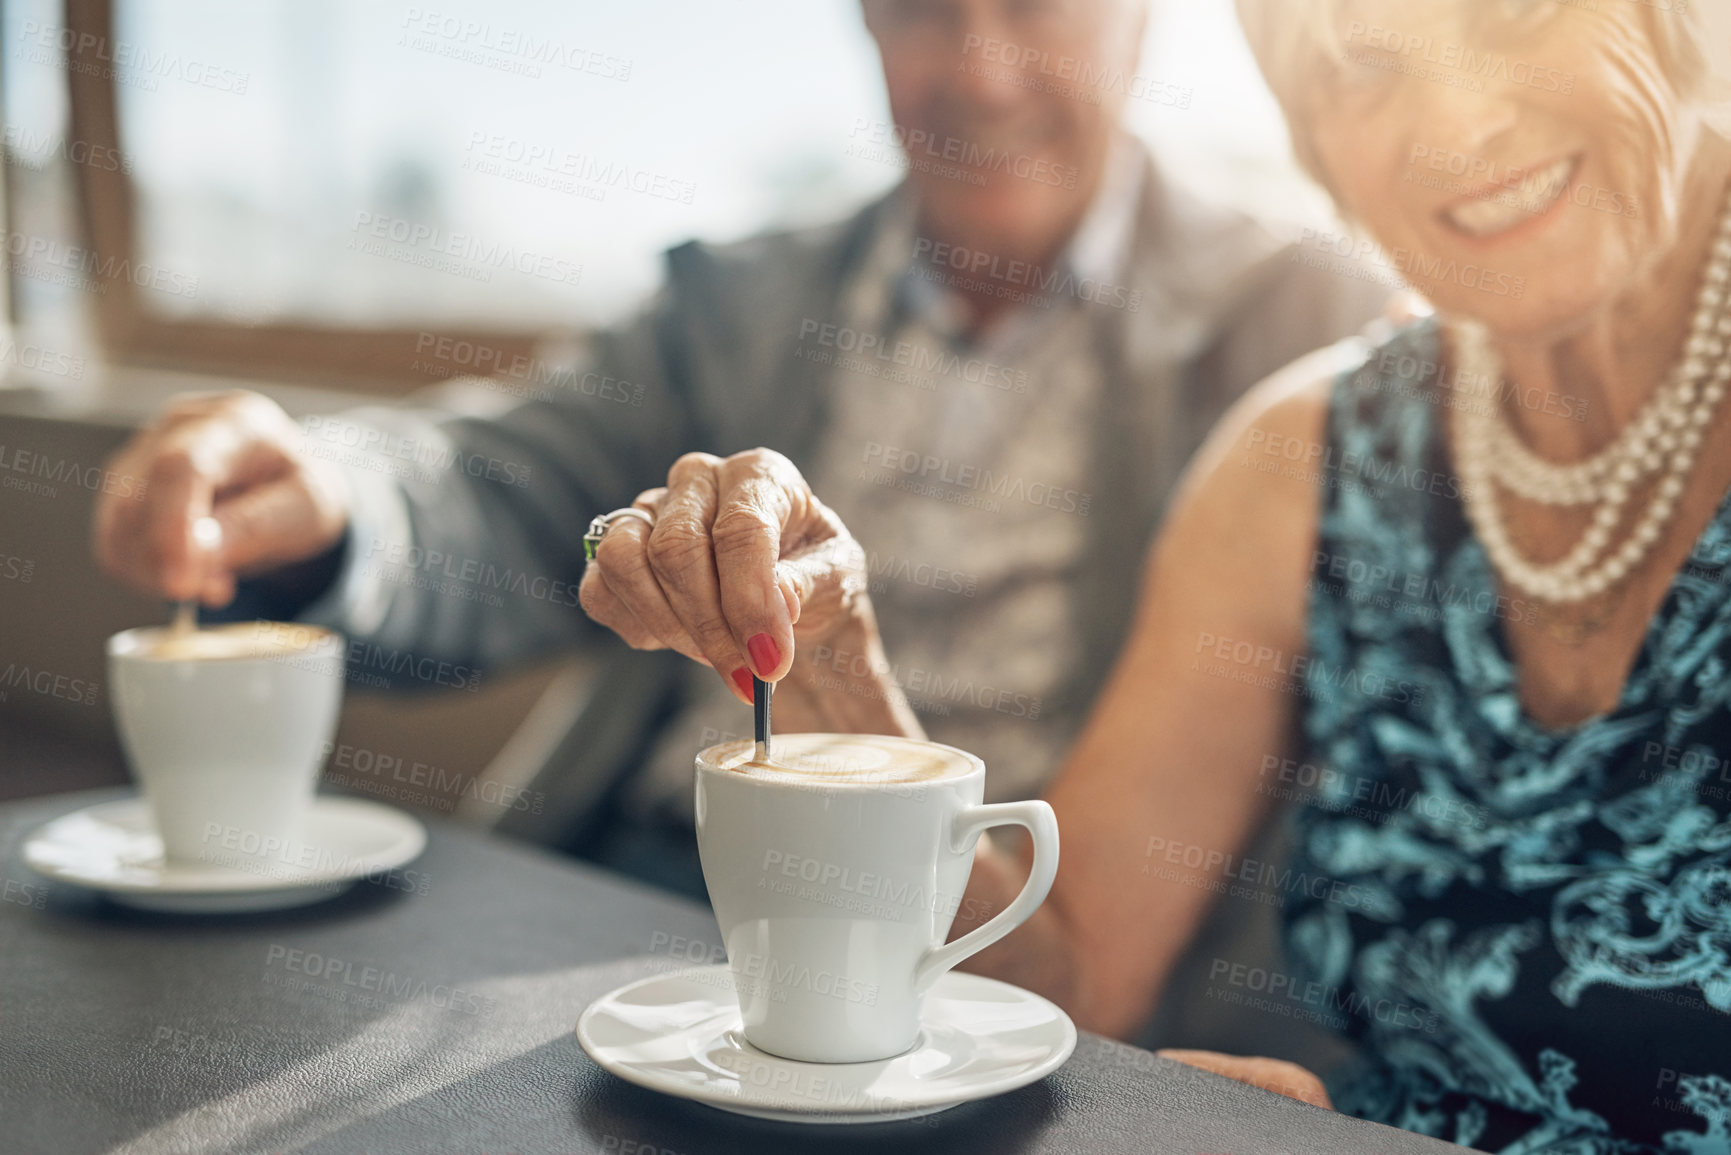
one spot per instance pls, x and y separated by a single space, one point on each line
1521 161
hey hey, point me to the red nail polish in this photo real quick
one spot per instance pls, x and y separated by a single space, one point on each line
742 679
765 654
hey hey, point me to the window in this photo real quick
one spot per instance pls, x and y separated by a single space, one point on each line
311 186
509 162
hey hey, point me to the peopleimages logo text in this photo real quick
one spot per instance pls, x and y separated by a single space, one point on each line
27 250
917 143
1461 58
466 247
1045 283
129 62
519 44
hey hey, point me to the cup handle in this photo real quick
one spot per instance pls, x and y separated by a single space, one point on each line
1042 826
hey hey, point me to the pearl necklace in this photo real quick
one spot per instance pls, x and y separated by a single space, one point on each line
1662 439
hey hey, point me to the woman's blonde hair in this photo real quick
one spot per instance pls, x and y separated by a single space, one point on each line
1294 39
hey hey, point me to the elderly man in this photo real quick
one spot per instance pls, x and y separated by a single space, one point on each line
1037 315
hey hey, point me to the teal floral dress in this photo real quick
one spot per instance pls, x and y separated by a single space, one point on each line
1531 939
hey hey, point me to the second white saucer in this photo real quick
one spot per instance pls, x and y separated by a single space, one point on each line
113 847
680 1034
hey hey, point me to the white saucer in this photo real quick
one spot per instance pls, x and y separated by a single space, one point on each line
113 848
680 1034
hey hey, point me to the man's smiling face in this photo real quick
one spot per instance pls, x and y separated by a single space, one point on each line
1007 108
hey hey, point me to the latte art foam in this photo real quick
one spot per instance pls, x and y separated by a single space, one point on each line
234 641
845 758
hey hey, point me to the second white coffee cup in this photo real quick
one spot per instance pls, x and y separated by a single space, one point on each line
227 747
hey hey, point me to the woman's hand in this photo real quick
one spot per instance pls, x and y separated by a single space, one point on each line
743 564
1275 1075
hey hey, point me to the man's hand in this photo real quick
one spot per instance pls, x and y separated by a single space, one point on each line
743 561
1275 1075
235 457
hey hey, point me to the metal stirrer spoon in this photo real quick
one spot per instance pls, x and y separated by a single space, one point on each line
760 695
207 537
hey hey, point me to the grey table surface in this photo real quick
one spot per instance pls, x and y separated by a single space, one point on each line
125 1031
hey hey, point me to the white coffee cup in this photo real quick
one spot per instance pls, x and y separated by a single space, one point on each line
226 730
835 884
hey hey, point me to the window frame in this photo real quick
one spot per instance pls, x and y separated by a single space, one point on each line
373 360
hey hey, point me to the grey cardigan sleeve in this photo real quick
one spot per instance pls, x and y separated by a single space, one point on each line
464 549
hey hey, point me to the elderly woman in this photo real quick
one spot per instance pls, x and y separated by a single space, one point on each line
1466 595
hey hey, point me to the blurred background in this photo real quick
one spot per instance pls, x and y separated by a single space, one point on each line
253 137
295 196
